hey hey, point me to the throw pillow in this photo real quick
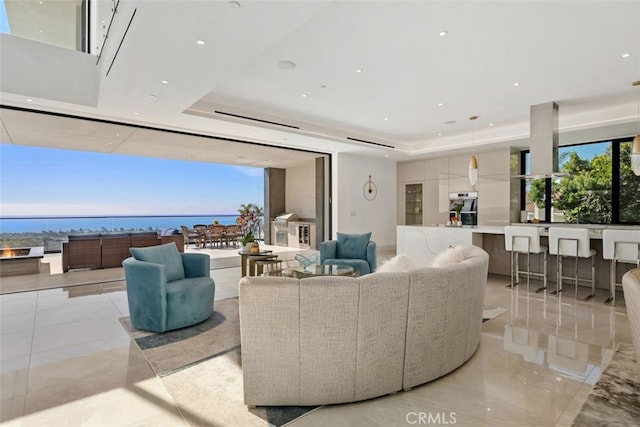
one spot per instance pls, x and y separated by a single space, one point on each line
399 263
167 255
450 255
352 245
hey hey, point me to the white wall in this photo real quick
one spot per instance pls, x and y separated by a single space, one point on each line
300 197
45 71
352 213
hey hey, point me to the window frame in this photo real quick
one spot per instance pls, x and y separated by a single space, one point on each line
615 181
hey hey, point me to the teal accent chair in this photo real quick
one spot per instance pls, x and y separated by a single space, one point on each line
167 289
355 250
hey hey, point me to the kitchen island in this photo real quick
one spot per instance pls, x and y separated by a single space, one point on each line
425 242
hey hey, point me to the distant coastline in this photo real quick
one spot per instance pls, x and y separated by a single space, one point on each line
61 224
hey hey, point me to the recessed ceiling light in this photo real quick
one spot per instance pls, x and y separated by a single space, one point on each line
439 133
201 42
491 124
516 84
42 31
443 33
386 155
234 4
117 134
151 95
166 82
358 70
304 95
625 55
135 113
29 100
440 104
286 65
386 119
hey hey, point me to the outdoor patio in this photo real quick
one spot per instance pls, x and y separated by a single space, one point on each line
51 275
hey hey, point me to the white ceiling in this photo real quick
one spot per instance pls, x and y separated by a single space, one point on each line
569 52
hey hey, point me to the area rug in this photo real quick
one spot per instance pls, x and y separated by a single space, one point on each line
172 351
489 312
201 367
615 399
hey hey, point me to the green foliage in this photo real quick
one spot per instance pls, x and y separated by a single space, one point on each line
585 195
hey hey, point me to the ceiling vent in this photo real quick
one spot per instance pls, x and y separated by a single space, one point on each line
370 142
253 119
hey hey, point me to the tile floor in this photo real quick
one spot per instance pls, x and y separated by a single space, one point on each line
65 360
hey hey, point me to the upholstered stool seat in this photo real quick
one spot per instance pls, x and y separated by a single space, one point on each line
576 243
525 240
619 246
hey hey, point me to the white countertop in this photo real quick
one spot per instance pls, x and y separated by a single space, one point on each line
595 230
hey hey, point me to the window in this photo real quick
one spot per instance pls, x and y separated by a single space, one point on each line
600 187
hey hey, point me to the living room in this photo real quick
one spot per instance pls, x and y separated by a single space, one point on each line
385 91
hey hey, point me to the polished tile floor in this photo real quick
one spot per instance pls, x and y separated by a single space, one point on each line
65 360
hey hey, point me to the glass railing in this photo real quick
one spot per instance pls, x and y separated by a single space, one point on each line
76 25
51 232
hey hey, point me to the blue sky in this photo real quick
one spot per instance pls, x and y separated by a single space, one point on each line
46 181
4 21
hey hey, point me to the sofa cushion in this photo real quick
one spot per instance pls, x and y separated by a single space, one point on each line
400 262
451 255
352 245
167 255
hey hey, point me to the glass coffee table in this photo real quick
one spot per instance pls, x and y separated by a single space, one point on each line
321 270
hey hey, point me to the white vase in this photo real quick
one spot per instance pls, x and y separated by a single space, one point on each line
249 245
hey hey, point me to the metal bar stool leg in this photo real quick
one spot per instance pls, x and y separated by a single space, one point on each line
593 279
612 283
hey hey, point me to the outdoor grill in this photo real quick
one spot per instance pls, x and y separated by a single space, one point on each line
281 227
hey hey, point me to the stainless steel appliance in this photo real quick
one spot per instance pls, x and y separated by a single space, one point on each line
469 202
281 228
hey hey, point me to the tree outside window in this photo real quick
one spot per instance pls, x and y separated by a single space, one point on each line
586 194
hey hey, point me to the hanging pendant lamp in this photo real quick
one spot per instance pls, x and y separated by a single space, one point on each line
473 160
635 146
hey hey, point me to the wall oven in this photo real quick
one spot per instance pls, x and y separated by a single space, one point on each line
469 203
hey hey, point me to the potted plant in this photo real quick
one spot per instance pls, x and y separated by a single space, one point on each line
249 242
458 208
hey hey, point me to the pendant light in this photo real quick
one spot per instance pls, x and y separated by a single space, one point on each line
473 160
635 146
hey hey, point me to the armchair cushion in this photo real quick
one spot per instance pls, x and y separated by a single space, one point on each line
352 245
166 255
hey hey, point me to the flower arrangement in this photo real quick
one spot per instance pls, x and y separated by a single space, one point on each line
248 220
457 206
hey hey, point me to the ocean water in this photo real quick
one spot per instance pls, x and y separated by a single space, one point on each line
105 224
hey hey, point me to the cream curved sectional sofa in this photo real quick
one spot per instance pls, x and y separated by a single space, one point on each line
325 340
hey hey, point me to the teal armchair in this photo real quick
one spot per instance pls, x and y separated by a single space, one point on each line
355 250
167 289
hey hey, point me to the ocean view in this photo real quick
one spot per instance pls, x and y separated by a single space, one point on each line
106 223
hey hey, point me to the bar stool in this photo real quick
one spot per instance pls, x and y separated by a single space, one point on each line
525 240
620 246
576 243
